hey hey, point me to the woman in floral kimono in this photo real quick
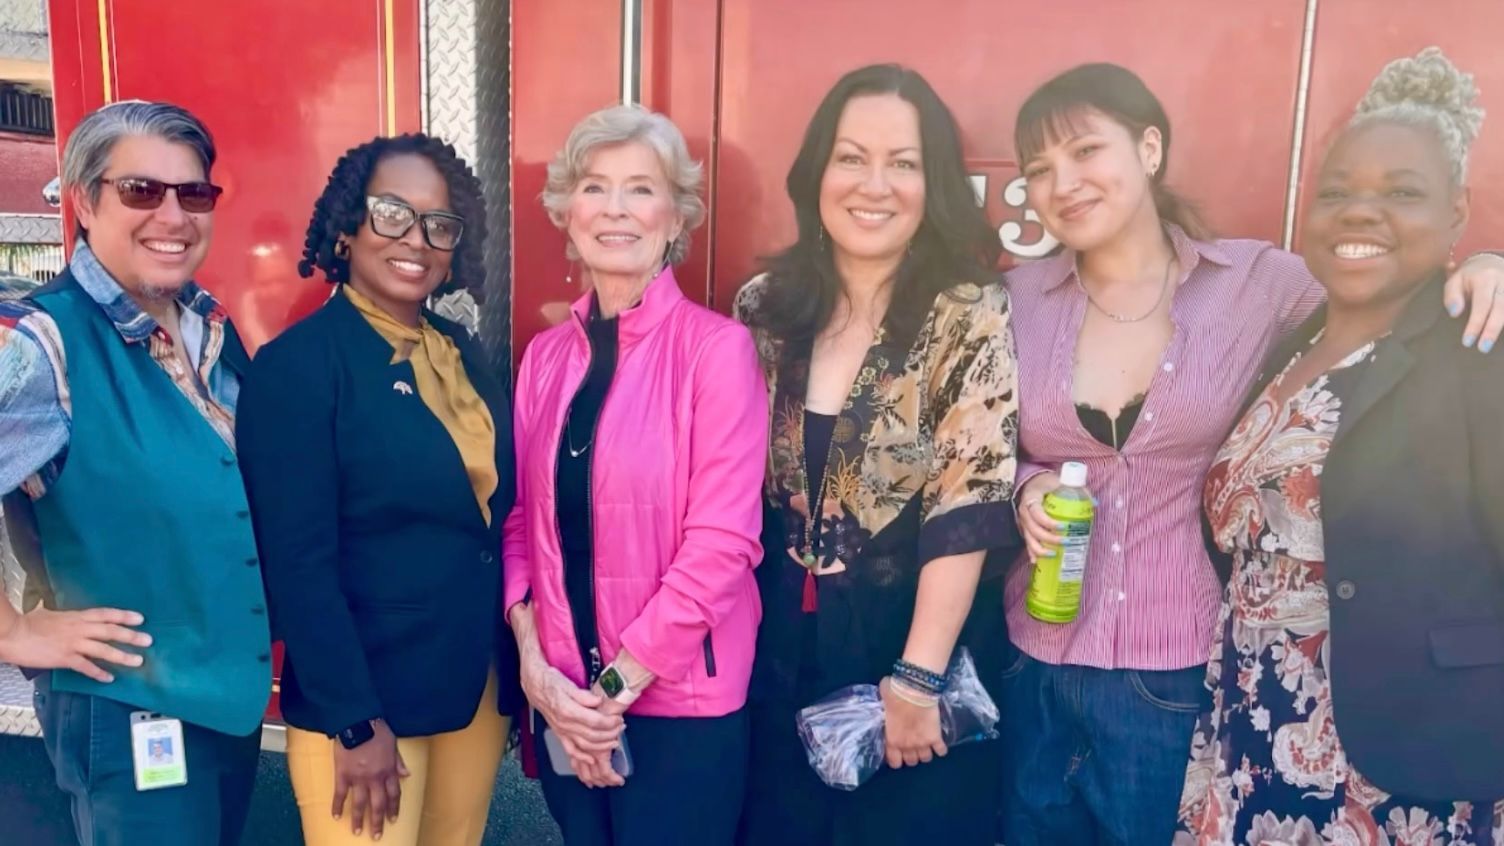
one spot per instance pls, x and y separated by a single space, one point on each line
1369 462
890 361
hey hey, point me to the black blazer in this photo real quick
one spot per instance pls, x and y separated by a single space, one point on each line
1412 498
383 579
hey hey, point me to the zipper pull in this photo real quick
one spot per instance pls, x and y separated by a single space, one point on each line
595 663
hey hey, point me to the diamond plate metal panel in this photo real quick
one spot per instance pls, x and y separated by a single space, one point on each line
23 30
466 59
31 229
17 714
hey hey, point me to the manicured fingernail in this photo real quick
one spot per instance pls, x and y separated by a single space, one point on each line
136 659
1468 339
108 678
1486 346
1454 309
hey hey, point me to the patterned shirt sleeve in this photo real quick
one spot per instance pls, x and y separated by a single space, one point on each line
972 421
35 413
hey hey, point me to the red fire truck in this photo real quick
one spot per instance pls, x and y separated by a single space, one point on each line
1253 89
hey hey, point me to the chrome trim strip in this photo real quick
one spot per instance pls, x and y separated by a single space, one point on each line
631 50
1302 103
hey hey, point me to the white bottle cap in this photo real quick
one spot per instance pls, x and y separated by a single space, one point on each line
1073 474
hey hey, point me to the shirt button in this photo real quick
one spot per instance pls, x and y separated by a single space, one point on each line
1118 503
1117 547
242 514
1346 589
258 610
486 557
264 658
1169 368
251 562
227 460
1122 596
1148 415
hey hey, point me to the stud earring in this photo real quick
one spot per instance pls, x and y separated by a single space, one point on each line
342 249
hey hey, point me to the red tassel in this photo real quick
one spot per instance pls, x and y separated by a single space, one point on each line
811 602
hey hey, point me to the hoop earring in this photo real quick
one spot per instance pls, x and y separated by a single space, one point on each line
342 250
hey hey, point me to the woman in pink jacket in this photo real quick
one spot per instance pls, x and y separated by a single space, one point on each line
641 436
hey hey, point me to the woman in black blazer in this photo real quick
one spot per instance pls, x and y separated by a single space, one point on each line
1359 677
377 452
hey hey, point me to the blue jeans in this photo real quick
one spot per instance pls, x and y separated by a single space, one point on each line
1096 756
88 739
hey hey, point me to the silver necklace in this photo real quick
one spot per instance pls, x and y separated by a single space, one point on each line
1119 318
569 439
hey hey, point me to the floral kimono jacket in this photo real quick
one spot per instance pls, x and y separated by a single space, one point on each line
920 466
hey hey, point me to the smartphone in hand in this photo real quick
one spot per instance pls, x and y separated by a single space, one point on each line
621 759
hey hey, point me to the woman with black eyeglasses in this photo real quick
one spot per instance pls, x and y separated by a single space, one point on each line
377 453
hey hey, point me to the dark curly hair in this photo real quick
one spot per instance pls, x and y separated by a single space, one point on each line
341 209
954 243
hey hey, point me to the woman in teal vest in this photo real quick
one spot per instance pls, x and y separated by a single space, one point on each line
377 449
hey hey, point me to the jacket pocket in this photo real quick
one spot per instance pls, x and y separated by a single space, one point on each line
1479 643
709 657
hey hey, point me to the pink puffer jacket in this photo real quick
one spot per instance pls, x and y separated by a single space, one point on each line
677 475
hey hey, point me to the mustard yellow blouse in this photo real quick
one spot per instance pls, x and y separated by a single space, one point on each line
445 389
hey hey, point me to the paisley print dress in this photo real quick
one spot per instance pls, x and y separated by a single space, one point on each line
1267 764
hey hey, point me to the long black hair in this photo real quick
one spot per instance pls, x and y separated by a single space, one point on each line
341 209
954 243
1051 111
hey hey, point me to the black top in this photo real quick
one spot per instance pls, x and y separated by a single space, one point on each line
1107 431
382 576
818 430
573 484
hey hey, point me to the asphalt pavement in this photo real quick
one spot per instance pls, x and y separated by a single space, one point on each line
33 812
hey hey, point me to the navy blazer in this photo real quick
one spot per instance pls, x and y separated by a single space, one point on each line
1412 502
382 576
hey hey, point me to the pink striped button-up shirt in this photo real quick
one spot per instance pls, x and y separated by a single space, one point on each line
1151 596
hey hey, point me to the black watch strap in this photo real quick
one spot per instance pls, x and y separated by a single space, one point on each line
357 734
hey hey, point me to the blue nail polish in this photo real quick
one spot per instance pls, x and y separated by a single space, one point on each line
1467 340
1487 346
1454 309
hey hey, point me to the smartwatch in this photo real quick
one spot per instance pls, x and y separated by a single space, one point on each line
356 735
615 686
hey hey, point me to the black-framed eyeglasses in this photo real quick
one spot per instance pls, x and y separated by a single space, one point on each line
143 194
393 218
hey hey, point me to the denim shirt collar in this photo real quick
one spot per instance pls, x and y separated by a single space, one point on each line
133 324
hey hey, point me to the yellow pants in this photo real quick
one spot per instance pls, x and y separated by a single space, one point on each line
445 797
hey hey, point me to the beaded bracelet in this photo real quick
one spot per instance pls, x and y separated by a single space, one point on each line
918 698
918 677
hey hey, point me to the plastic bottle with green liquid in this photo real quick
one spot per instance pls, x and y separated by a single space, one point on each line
1055 589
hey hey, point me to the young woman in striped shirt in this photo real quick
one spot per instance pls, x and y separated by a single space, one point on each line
1136 346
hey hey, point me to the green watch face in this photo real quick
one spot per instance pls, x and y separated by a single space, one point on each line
612 684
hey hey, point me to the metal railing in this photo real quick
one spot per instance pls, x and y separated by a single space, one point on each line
25 111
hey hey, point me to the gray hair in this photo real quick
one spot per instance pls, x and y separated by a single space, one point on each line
621 125
1428 92
87 153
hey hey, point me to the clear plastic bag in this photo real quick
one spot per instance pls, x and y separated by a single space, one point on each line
843 733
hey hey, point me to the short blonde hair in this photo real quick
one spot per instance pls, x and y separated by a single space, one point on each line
622 125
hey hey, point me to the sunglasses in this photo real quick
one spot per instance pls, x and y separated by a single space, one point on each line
146 194
393 219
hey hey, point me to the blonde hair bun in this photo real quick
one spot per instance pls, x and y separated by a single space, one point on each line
1428 91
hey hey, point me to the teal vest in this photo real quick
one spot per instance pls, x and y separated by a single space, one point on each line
150 514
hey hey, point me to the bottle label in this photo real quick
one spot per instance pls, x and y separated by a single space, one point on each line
1055 589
